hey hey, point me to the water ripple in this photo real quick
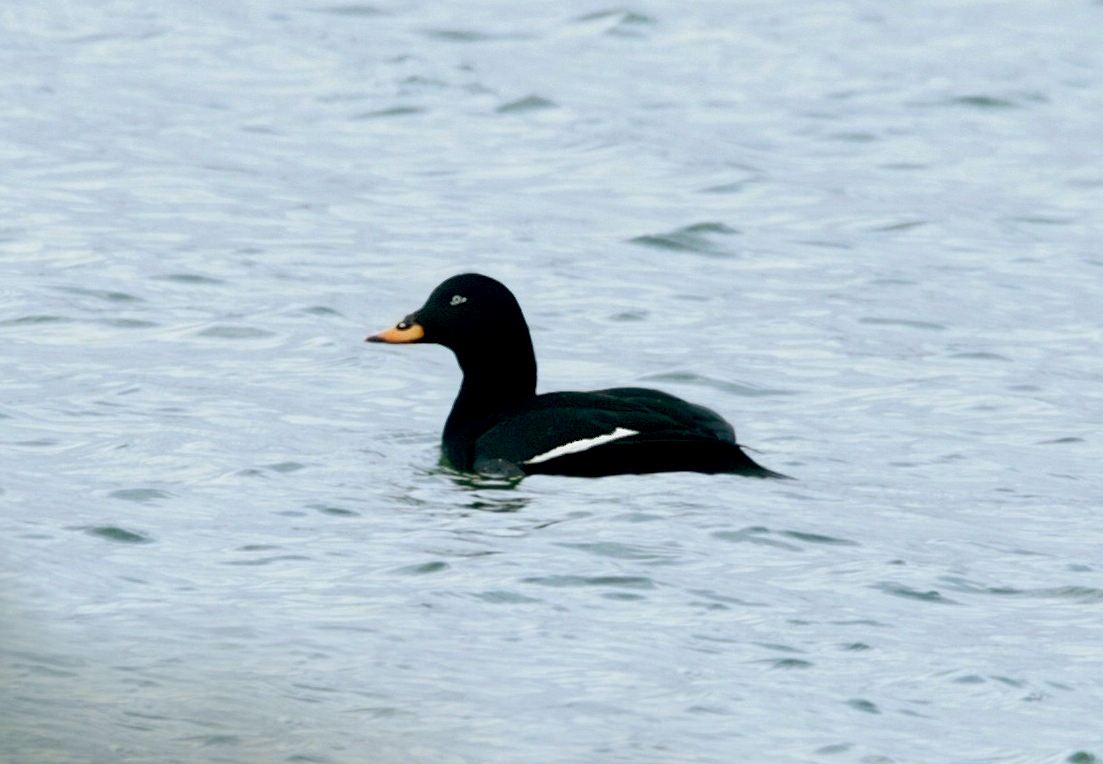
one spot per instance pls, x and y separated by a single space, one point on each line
118 535
627 582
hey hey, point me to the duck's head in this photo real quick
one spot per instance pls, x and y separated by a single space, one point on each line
469 310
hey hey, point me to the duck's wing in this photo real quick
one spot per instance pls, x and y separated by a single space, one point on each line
691 416
609 432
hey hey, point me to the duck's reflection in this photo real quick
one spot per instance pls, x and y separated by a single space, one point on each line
488 494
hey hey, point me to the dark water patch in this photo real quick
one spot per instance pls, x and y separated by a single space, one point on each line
285 467
618 14
617 551
528 103
416 83
394 111
724 598
733 187
779 647
1082 594
328 509
457 35
981 102
267 560
618 22
754 535
899 590
138 494
856 647
116 534
708 710
499 597
227 332
815 538
970 679
208 741
355 10
980 355
1061 441
627 582
696 238
1082 757
904 166
101 294
910 324
724 188
630 315
380 712
834 748
903 225
969 587
854 137
191 279
985 102
38 319
892 281
827 244
1042 220
865 706
128 323
638 517
787 664
469 35
716 639
148 717
424 568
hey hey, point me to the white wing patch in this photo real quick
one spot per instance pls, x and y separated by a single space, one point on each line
577 446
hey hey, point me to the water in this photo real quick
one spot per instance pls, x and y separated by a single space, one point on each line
867 234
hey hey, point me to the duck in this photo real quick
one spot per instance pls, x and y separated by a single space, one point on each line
500 427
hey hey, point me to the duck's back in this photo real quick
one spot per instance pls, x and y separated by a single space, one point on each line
608 432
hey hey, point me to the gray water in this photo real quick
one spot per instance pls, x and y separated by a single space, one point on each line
868 233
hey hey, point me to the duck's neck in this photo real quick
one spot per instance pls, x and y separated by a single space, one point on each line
494 378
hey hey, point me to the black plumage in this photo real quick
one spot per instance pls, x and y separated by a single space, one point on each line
499 426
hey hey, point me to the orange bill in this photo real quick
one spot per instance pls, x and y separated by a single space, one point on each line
402 333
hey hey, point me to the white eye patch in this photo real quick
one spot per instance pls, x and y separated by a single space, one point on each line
457 299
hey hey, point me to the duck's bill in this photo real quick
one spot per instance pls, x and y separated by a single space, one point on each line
402 333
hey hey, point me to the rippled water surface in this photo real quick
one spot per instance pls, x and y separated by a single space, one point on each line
867 233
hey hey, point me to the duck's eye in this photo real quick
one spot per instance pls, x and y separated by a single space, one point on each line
402 326
457 299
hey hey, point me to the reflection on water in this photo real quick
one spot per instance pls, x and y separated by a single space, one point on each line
486 493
